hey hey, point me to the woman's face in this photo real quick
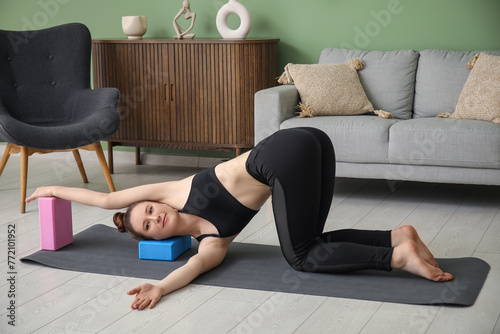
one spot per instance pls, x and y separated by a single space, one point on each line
154 220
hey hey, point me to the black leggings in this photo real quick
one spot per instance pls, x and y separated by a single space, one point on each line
299 166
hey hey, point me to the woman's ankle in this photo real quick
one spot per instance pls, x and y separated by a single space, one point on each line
403 233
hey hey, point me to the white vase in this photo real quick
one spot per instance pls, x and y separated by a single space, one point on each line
233 7
134 26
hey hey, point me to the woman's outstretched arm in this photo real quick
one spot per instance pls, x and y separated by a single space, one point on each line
167 192
211 252
80 195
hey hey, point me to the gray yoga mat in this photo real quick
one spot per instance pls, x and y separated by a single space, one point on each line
101 249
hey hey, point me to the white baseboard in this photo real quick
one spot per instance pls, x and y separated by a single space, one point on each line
178 160
129 157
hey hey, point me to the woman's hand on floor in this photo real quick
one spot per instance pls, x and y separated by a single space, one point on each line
145 295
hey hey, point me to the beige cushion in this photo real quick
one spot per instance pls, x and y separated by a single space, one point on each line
329 89
480 97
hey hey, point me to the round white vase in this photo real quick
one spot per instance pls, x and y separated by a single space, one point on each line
134 26
233 7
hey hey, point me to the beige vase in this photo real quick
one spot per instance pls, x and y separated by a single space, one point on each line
134 26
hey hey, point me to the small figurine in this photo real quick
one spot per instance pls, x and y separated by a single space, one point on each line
188 14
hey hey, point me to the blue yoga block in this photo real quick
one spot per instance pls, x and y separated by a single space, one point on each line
165 250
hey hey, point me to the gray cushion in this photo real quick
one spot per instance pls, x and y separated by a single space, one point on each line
441 76
361 138
445 142
388 77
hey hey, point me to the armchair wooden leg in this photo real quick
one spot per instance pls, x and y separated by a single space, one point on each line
79 163
100 155
5 157
24 176
110 157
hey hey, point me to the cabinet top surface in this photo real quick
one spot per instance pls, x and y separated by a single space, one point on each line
186 41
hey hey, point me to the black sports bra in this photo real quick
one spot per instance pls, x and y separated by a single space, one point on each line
209 199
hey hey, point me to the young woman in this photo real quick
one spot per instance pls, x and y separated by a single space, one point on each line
296 167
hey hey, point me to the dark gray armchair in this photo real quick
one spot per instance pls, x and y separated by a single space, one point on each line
46 103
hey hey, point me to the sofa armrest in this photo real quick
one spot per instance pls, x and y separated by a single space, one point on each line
272 107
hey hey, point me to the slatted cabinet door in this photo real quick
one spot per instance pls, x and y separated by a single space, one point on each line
213 86
139 71
205 107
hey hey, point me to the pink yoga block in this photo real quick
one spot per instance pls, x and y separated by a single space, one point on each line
56 225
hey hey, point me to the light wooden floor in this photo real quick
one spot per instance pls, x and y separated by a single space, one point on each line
455 220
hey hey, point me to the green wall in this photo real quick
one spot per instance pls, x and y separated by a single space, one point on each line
304 27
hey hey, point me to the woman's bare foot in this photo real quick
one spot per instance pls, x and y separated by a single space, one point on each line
408 232
407 256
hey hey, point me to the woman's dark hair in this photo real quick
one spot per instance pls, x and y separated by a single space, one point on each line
122 222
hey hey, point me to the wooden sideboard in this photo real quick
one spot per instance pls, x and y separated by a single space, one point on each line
185 94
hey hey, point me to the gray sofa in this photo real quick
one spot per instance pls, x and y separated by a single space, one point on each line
415 145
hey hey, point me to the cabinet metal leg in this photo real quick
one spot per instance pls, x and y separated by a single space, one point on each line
137 155
110 157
